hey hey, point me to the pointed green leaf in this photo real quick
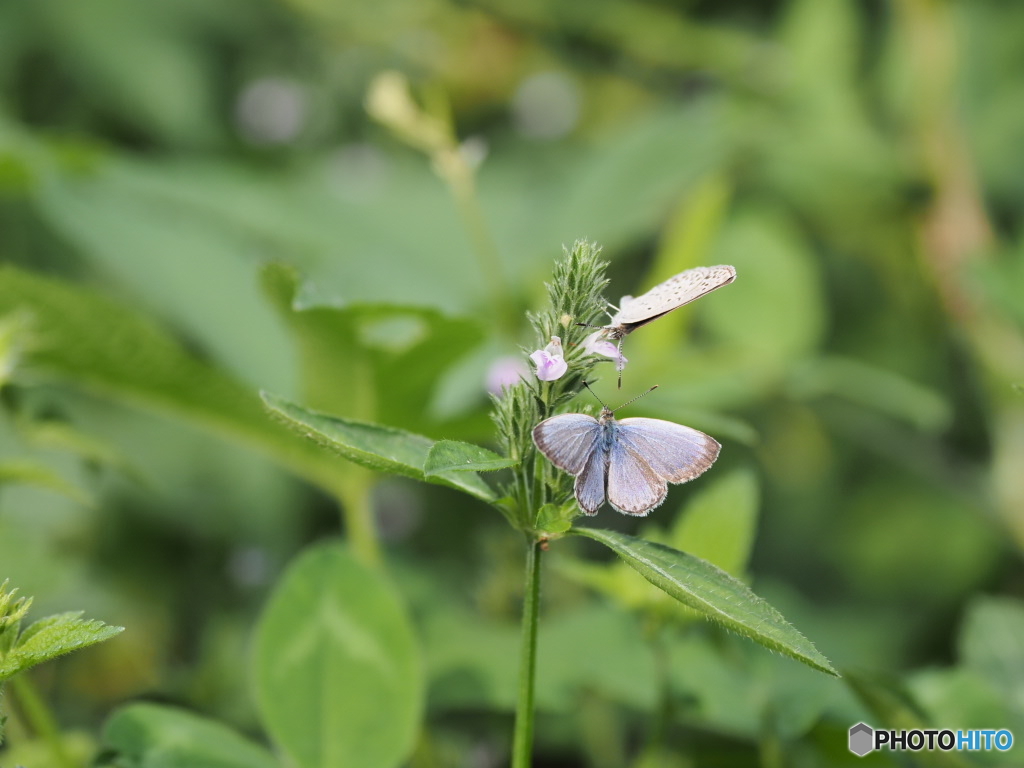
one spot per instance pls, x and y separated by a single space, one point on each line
385 449
453 456
154 734
51 637
337 668
710 590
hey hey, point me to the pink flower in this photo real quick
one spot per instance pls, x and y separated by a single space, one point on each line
596 344
549 361
505 372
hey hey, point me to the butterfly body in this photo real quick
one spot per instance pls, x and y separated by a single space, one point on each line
629 462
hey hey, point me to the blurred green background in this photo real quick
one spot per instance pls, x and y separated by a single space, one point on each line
859 163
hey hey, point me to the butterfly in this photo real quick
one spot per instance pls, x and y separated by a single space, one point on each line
631 461
675 292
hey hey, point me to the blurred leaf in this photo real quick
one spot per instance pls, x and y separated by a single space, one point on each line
151 77
990 644
616 189
453 456
896 710
143 735
84 339
337 669
713 592
27 472
52 637
61 436
954 541
720 522
961 697
374 362
775 312
874 388
588 647
199 274
384 449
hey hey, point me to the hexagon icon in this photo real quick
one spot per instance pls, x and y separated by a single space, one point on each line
862 739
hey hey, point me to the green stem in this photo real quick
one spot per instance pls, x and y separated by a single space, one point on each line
353 491
40 719
522 739
464 191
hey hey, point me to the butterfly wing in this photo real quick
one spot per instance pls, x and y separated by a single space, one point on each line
633 486
589 485
673 451
572 442
675 292
647 454
567 440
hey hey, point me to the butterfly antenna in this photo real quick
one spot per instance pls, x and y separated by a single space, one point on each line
587 385
628 402
619 364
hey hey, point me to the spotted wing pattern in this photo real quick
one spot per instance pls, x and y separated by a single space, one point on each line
675 292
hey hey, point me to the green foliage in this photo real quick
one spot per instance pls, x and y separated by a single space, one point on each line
160 164
153 734
87 339
713 592
41 641
717 525
384 449
52 637
338 675
34 473
453 456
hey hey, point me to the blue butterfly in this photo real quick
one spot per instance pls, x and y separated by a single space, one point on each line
632 461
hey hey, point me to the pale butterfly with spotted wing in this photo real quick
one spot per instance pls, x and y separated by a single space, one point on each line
675 292
631 462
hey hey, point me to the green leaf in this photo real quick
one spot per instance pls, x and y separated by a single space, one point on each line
157 735
51 637
875 388
454 456
337 667
91 342
772 259
990 644
720 522
372 362
384 449
26 472
713 592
